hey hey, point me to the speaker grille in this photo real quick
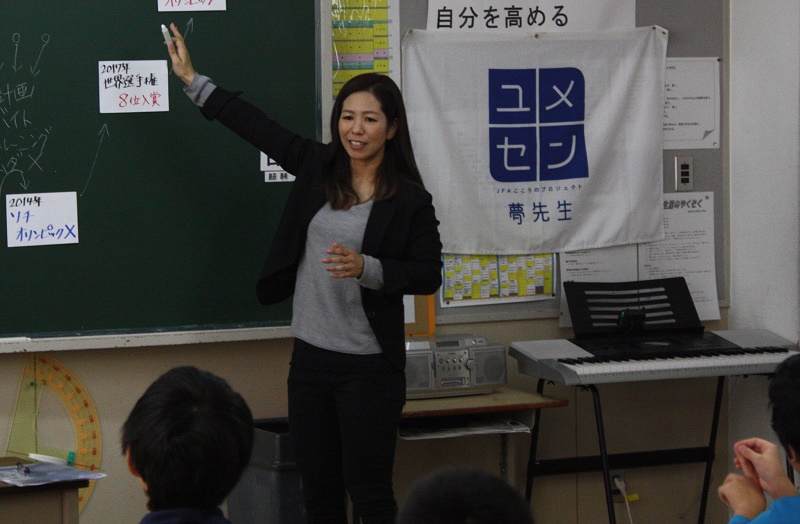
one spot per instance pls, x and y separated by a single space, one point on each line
490 366
419 371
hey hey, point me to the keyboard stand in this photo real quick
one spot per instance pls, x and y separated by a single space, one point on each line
603 313
605 461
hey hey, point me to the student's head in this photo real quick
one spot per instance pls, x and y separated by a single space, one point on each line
784 397
188 438
398 154
463 496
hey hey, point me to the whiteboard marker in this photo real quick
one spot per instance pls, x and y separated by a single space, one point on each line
167 38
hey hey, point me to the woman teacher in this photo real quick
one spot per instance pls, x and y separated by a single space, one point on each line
358 231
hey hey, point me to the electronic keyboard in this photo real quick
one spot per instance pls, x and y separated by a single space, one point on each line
601 360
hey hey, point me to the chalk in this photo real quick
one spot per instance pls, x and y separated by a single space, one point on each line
167 38
48 458
12 340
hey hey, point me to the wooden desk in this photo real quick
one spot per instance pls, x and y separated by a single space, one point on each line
506 402
502 400
55 503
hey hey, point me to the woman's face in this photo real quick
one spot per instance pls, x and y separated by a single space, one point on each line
364 129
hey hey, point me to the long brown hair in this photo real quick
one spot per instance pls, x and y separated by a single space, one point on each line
398 162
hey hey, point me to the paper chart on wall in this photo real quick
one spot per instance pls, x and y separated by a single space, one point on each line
473 280
687 249
692 103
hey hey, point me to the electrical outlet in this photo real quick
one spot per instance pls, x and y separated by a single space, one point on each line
616 494
684 173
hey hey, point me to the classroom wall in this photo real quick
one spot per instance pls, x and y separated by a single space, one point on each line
764 165
764 271
764 151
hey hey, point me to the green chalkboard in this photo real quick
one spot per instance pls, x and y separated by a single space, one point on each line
174 213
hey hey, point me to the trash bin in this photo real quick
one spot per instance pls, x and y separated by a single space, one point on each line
270 490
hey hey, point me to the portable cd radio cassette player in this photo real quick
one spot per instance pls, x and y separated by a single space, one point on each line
453 365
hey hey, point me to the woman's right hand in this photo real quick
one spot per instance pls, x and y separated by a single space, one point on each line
181 61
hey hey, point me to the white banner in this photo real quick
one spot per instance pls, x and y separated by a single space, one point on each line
539 143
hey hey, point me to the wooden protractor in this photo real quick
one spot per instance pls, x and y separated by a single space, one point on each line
45 383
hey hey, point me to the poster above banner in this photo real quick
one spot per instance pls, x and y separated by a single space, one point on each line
526 16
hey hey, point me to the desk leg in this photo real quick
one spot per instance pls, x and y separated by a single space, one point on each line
504 456
601 437
534 444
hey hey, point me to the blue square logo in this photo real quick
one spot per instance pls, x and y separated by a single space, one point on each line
536 124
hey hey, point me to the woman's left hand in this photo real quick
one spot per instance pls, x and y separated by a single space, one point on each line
345 263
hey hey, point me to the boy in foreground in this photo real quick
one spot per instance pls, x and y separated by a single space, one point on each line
760 461
188 439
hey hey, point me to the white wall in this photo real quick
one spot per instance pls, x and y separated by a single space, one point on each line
764 211
764 93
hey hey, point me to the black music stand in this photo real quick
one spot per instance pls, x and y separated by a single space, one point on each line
617 309
620 310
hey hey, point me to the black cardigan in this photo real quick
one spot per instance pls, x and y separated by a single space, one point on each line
401 231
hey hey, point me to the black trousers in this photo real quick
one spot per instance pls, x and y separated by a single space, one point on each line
344 413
